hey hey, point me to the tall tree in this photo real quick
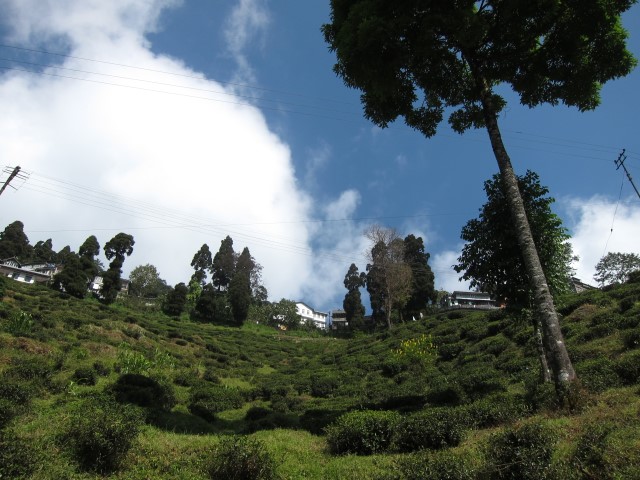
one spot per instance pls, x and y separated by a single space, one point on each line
176 300
72 279
202 263
116 250
247 264
491 259
422 278
43 252
146 282
240 296
224 263
88 252
615 267
14 242
352 303
388 276
415 59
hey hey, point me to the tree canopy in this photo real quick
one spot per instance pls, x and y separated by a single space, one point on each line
491 258
352 303
224 264
146 282
615 267
116 250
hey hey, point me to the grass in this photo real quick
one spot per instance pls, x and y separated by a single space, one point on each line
479 355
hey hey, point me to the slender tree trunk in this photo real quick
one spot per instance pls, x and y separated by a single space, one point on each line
544 310
545 373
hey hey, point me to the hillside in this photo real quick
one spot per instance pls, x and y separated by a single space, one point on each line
89 390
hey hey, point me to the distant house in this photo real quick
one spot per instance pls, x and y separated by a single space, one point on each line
459 299
577 286
339 319
309 315
96 286
33 273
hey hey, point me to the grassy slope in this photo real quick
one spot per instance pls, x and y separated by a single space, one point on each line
304 382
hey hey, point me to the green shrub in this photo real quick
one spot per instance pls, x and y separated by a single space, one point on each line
256 413
101 369
19 323
628 368
8 411
324 385
496 410
598 375
274 420
449 351
15 391
522 452
17 458
539 395
242 458
207 400
442 465
143 391
84 376
101 432
445 392
432 429
362 432
631 338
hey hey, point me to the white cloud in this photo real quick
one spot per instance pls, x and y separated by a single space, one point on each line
592 221
192 170
339 243
246 26
317 159
446 278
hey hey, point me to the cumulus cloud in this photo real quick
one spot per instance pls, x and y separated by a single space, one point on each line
600 225
173 170
446 278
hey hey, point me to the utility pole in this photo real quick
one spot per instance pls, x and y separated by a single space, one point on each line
620 163
12 175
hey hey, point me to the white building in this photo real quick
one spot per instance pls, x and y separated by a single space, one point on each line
309 315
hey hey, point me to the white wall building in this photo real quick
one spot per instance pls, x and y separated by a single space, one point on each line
309 315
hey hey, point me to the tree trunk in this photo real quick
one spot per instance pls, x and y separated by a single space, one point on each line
545 373
544 310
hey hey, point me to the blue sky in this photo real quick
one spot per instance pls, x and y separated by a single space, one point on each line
182 122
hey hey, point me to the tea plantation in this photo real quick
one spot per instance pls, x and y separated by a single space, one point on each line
123 391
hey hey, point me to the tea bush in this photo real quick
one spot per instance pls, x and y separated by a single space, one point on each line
362 432
496 410
441 465
598 375
522 452
627 367
84 376
17 458
432 429
242 458
143 391
100 432
207 400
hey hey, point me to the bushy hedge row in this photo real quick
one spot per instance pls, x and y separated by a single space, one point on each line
207 400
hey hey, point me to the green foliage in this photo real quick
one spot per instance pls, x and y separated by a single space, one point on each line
627 368
422 278
146 282
598 375
207 400
491 258
362 432
176 300
240 296
242 458
522 452
495 410
19 323
143 391
352 303
615 267
441 465
130 361
18 459
432 429
84 376
100 433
